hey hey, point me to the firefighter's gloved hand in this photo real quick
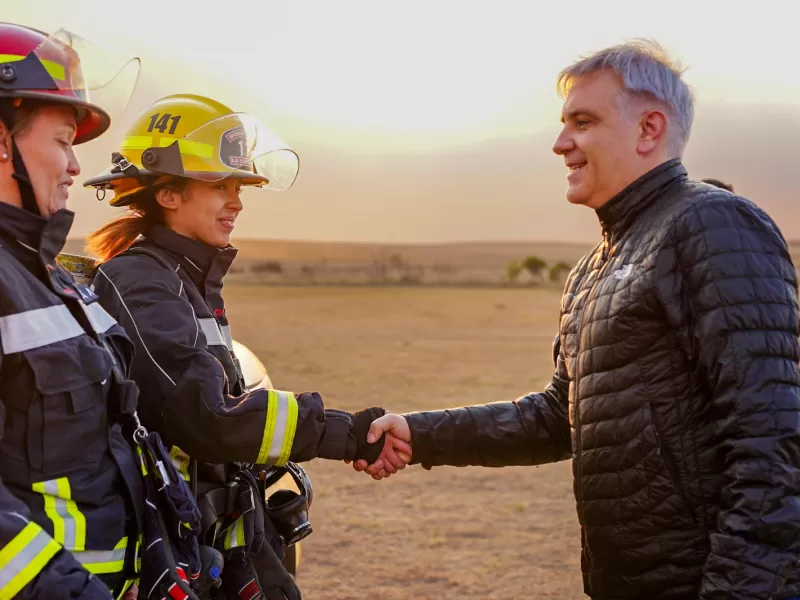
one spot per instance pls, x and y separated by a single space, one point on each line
274 579
361 422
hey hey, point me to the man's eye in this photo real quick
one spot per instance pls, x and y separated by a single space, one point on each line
581 123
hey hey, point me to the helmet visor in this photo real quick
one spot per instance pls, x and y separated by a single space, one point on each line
89 72
236 145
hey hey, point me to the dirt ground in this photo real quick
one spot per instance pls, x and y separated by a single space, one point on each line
446 533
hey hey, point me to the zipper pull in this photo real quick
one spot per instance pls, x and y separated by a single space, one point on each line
605 243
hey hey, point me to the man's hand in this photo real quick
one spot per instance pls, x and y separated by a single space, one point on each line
396 453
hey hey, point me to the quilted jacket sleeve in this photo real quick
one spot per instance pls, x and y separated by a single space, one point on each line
738 290
531 430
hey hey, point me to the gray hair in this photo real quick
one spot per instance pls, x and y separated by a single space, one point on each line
645 69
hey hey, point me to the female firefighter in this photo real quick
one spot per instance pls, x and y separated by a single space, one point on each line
70 493
180 170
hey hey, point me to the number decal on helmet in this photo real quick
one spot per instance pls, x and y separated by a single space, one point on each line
160 122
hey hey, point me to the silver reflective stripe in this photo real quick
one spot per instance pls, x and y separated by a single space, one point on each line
226 333
101 321
279 428
31 557
36 328
234 537
102 561
211 331
60 505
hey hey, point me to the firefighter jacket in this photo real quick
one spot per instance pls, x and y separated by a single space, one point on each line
70 492
166 292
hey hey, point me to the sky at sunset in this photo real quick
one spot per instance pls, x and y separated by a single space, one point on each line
433 120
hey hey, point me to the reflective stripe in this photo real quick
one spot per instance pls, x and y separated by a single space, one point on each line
126 587
234 536
23 557
279 429
288 438
104 561
101 321
211 331
69 524
142 462
226 333
187 147
37 328
180 460
54 69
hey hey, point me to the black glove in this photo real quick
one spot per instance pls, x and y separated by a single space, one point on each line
273 578
361 422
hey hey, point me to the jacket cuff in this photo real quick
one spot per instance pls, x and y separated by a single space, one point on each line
422 451
336 443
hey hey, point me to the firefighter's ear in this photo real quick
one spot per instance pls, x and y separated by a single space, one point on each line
5 143
168 197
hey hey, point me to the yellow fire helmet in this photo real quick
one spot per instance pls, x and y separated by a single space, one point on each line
185 135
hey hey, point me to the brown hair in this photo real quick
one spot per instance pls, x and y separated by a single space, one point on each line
118 235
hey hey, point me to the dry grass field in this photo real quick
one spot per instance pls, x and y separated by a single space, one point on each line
445 533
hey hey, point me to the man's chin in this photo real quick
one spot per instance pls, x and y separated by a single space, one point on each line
578 198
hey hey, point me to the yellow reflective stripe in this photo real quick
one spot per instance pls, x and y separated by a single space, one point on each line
126 587
142 462
23 558
137 557
269 426
291 427
69 524
180 460
187 147
234 536
104 561
279 428
55 69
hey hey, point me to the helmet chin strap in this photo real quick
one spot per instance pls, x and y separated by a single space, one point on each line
23 181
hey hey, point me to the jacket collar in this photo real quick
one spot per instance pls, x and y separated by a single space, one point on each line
617 214
30 235
206 265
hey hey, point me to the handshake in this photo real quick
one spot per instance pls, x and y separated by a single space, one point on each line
396 451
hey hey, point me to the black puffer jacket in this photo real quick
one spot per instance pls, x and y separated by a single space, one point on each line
677 394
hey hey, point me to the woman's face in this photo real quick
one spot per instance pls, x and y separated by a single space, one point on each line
45 144
203 211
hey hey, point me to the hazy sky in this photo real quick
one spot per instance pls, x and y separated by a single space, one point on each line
433 120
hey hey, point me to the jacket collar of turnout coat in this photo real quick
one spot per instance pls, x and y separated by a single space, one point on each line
205 265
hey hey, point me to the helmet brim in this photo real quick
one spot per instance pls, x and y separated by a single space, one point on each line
92 120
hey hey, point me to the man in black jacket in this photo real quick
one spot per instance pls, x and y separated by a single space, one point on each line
675 389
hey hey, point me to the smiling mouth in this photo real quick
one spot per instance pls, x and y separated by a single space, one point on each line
574 168
228 223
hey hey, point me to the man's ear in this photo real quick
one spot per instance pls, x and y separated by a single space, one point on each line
652 130
168 198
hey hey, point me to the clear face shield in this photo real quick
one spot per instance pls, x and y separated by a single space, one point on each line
237 145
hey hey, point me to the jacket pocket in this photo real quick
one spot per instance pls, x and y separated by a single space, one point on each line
67 418
670 464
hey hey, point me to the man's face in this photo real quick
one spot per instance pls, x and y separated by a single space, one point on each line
599 140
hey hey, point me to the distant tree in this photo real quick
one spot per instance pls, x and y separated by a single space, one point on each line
558 269
535 266
513 269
